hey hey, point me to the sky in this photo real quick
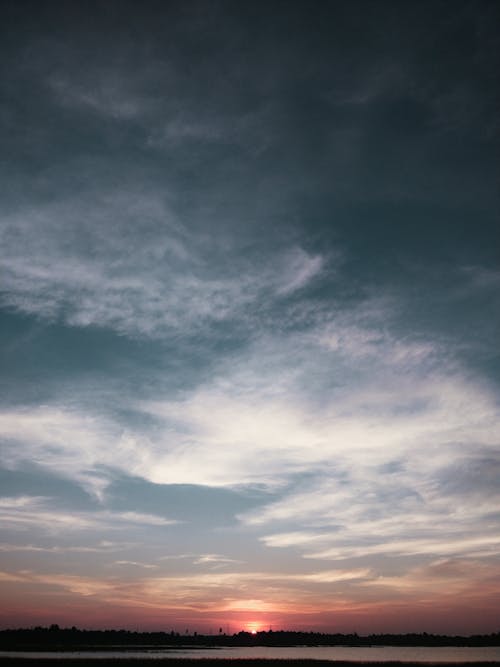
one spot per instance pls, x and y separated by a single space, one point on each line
249 315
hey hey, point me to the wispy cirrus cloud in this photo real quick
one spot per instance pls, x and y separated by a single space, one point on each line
104 94
28 512
203 592
214 559
317 545
405 414
134 563
264 592
448 576
103 547
71 261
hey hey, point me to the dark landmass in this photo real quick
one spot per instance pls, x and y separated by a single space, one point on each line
226 662
60 639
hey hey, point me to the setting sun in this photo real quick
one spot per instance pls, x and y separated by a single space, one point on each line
253 627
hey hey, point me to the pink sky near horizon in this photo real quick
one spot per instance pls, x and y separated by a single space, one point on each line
441 614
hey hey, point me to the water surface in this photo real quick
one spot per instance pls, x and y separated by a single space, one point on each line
424 654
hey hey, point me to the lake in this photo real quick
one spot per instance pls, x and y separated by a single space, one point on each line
452 654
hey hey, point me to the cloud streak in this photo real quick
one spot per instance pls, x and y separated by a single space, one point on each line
71 260
24 513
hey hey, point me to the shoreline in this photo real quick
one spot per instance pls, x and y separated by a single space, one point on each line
226 662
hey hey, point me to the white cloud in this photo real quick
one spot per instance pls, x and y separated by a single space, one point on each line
214 559
301 269
355 436
219 436
72 260
134 563
102 547
28 512
64 441
469 545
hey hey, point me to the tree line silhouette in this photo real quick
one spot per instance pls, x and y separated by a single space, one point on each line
54 637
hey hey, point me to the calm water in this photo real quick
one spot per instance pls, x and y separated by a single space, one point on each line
361 653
